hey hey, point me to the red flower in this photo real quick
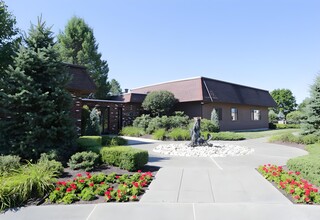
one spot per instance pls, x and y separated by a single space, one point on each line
101 183
81 180
297 173
107 193
58 189
139 171
91 184
79 175
141 177
110 189
307 199
73 186
296 197
315 190
307 192
135 184
291 191
69 189
117 177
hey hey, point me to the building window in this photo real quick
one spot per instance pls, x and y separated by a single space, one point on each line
234 114
255 115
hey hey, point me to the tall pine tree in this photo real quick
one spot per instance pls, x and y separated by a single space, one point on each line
312 110
78 45
34 100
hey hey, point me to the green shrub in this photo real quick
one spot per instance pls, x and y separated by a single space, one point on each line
86 142
309 139
105 140
84 160
53 165
31 181
179 134
159 134
9 163
224 136
142 122
208 125
118 141
157 123
124 157
287 126
308 166
179 120
286 137
132 131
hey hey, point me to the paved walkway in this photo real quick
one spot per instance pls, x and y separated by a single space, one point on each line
197 189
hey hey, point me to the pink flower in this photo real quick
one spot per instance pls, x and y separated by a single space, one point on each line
291 191
297 173
139 171
79 175
81 181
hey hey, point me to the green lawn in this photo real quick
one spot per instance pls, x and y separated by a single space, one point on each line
260 134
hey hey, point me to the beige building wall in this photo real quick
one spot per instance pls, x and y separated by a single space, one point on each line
244 116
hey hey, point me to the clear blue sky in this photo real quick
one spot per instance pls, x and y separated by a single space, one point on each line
267 44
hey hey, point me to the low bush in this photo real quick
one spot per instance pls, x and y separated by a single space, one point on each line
142 122
84 160
179 134
9 163
227 136
105 140
132 131
159 134
125 157
286 126
50 164
272 125
208 125
31 181
118 141
86 142
299 139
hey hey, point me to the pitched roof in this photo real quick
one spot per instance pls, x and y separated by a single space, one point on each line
211 90
81 80
130 97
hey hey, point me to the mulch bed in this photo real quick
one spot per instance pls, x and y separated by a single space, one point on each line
290 144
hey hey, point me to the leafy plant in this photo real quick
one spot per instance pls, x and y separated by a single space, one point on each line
132 131
84 160
178 134
118 141
87 194
53 165
9 163
159 134
159 102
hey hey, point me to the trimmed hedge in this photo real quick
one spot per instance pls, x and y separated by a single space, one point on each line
125 157
86 142
94 143
286 126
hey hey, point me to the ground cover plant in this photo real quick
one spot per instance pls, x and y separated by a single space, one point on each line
113 187
292 183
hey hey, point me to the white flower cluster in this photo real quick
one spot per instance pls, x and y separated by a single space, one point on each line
217 150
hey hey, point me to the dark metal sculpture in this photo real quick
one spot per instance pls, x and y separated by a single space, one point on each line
196 138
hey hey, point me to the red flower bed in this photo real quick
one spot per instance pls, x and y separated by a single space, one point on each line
119 188
291 182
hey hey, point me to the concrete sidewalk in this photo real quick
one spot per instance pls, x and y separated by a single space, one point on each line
195 189
167 211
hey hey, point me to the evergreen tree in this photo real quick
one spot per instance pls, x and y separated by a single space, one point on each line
215 119
34 100
93 125
115 88
8 37
312 110
78 45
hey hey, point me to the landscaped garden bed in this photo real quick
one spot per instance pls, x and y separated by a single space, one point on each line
101 187
291 184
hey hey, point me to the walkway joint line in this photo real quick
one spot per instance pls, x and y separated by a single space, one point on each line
180 186
215 162
194 212
211 186
91 212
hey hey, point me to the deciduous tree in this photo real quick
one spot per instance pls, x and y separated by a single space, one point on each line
285 100
159 102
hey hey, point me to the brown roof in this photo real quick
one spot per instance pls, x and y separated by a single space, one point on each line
130 97
81 80
211 90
